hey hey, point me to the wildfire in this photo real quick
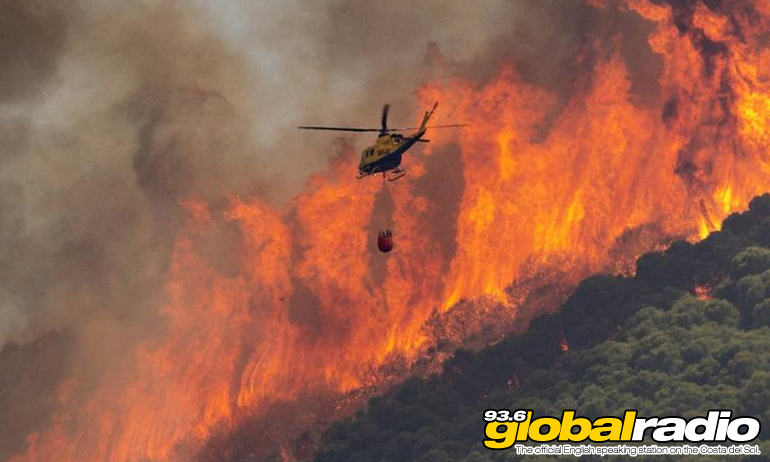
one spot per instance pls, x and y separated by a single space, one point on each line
305 309
703 292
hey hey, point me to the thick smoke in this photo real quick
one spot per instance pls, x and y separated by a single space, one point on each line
111 112
32 35
108 116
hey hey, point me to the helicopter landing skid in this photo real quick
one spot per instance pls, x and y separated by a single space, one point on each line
393 175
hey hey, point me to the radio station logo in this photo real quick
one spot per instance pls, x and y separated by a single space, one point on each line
504 428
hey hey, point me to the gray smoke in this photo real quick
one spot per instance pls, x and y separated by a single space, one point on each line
108 116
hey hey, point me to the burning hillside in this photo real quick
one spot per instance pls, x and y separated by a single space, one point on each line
659 133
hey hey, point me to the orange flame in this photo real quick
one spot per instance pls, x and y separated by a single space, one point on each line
703 292
538 190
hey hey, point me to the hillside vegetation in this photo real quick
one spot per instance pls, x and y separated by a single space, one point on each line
688 333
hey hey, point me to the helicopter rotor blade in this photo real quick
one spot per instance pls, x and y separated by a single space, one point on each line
429 126
385 110
341 129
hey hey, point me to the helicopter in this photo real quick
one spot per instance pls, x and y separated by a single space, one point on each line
385 155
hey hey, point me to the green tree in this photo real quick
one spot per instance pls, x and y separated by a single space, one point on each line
753 260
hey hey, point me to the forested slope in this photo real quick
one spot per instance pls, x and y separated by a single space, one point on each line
688 333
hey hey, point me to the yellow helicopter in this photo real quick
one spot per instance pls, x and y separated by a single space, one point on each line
385 155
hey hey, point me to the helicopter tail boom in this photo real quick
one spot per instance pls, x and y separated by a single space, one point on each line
427 117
